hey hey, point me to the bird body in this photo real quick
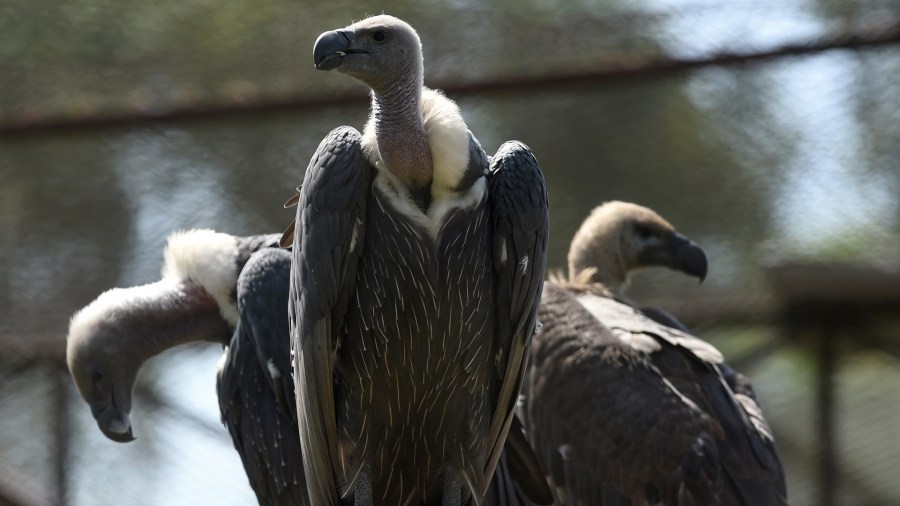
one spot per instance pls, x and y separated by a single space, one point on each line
216 288
416 369
624 405
253 384
415 283
253 381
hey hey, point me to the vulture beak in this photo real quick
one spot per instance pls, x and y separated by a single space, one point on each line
331 48
119 430
112 423
678 253
688 256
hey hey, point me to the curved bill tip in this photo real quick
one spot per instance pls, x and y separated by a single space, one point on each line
329 50
118 430
692 260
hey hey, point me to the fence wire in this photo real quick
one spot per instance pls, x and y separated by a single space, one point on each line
122 121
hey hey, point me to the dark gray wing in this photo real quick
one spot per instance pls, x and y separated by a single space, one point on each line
330 218
248 245
749 458
270 334
523 467
505 489
263 433
606 423
749 455
520 217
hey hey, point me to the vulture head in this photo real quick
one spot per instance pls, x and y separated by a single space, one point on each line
379 51
111 338
386 54
620 237
103 365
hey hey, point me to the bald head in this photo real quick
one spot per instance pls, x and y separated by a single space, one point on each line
380 51
386 54
101 366
620 237
111 338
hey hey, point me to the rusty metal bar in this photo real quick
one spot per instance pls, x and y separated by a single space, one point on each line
759 353
825 424
609 72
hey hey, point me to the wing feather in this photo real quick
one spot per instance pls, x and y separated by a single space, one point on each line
330 212
262 431
750 458
519 206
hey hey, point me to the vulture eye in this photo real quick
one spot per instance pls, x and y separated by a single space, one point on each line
96 375
643 231
379 36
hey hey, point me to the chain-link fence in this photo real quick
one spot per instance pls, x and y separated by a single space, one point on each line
766 131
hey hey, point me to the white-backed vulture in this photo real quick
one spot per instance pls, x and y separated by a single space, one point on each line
417 272
625 406
217 288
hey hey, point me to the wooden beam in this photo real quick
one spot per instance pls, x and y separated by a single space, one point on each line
836 284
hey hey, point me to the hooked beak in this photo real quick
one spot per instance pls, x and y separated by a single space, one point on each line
678 253
113 423
331 48
688 256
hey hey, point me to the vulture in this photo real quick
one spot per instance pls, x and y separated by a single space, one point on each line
233 291
625 406
217 288
418 263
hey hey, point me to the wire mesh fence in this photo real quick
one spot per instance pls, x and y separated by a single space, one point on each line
764 130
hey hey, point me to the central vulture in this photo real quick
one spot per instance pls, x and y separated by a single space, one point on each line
625 406
417 271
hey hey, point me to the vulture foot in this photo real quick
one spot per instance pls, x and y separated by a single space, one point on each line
451 488
362 496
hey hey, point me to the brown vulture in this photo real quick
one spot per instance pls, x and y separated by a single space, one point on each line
625 406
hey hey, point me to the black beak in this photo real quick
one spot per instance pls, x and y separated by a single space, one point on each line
689 257
331 48
113 424
118 430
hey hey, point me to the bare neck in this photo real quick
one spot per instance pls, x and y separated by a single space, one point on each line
167 314
589 266
402 141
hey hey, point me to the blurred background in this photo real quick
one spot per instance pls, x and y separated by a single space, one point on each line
768 131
